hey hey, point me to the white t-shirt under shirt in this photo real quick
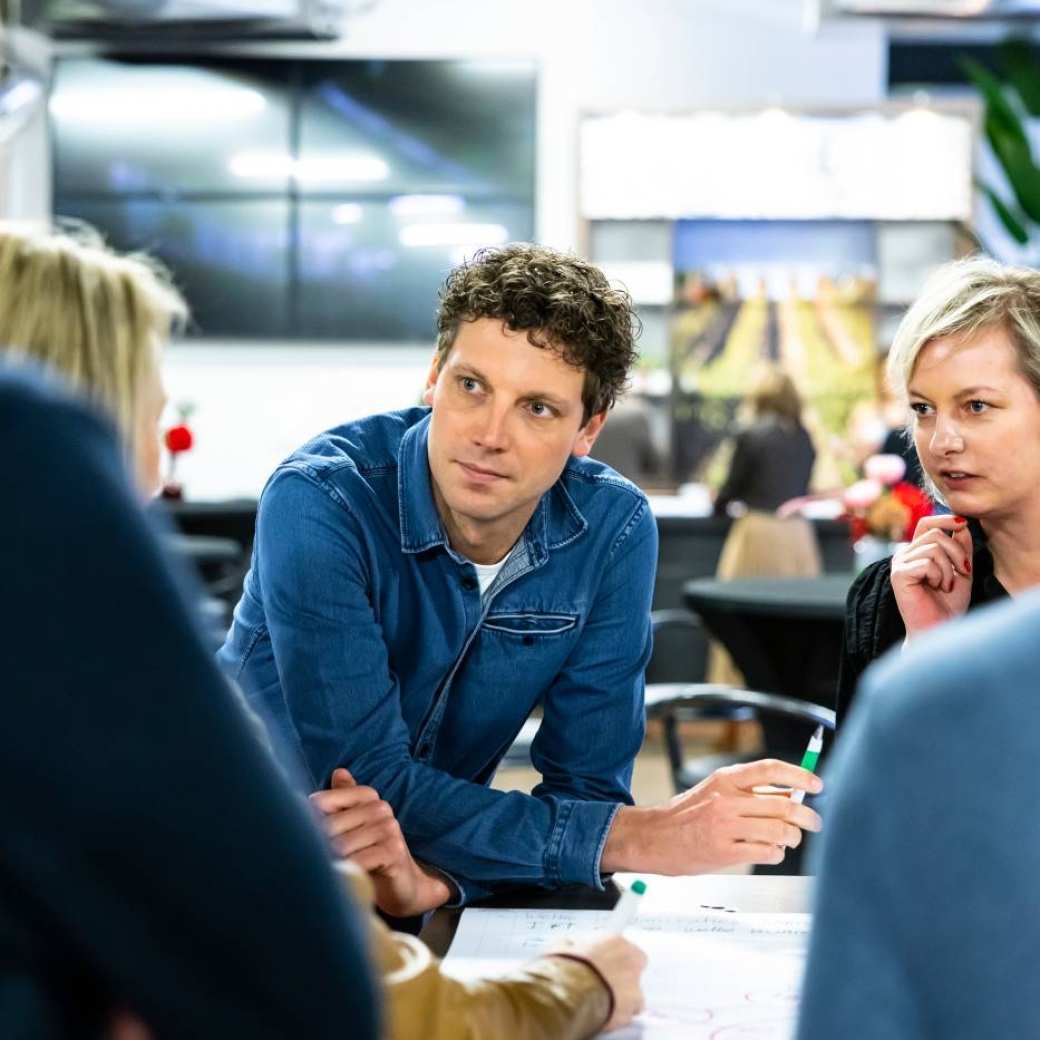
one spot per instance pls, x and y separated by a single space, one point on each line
487 572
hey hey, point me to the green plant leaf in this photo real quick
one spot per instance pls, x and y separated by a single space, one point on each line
1017 163
1024 178
1007 147
1022 71
1012 224
1000 113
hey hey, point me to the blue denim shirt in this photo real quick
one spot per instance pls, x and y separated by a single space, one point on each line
362 637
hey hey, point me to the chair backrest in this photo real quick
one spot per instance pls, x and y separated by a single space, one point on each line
680 648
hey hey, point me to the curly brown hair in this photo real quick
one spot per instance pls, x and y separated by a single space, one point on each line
563 302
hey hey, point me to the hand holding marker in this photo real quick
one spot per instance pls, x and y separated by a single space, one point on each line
809 760
626 908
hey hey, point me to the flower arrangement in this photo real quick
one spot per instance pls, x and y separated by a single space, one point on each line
177 440
883 505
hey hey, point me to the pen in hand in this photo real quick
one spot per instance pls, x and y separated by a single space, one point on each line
626 908
809 760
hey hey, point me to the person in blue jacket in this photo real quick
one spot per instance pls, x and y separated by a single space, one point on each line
423 580
925 923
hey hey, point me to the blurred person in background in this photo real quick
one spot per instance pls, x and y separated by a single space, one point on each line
966 360
626 443
772 463
143 746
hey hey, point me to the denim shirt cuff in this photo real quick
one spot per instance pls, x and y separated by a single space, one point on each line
576 844
466 891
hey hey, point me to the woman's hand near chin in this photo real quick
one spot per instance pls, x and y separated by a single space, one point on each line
931 576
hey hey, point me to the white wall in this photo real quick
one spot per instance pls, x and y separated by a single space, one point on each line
25 175
25 172
255 403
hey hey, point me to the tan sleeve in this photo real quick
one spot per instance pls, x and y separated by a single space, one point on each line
551 998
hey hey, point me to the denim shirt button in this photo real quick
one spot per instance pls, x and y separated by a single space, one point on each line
469 582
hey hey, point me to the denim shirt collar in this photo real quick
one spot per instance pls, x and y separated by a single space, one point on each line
556 520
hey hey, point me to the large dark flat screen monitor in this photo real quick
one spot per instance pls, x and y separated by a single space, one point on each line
292 199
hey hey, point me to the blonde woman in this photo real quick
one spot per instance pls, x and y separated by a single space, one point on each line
99 320
966 359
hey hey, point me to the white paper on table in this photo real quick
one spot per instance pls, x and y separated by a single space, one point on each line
712 974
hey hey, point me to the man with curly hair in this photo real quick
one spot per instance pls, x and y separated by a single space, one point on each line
422 580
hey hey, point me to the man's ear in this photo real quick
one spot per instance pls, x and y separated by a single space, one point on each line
588 433
431 379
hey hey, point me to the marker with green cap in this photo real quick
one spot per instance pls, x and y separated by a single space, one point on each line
626 908
809 760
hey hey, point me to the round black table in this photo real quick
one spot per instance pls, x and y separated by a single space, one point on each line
784 634
822 598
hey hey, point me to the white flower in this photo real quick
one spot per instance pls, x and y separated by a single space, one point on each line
863 494
888 469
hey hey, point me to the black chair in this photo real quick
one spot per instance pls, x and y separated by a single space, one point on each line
673 703
680 647
220 566
234 518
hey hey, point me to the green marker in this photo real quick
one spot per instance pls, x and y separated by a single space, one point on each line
626 908
809 760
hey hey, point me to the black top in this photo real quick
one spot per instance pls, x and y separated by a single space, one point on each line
150 856
772 463
873 623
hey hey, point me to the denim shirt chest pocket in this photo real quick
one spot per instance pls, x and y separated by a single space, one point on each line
529 627
526 648
515 657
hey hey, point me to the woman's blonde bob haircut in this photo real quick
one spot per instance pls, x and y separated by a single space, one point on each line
962 298
97 318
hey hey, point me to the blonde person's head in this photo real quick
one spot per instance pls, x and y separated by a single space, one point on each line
97 318
962 298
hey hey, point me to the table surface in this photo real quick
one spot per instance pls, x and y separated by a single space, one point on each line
749 893
822 597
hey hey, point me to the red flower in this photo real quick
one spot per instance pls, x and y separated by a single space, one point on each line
179 438
917 503
858 526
